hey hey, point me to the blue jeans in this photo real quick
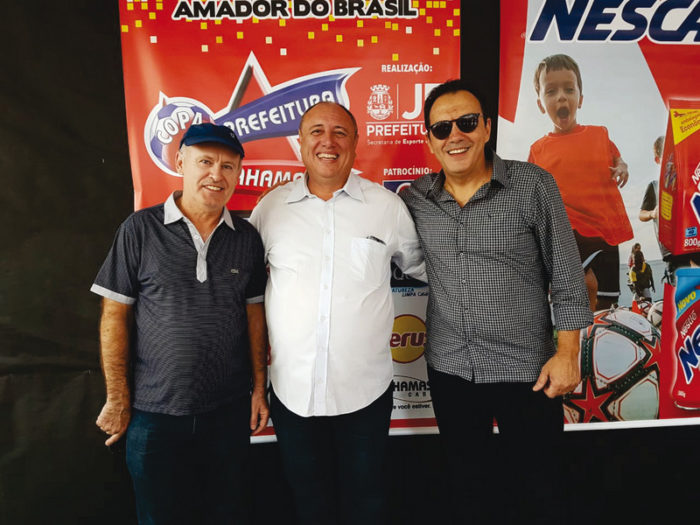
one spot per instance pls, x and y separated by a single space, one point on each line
189 469
335 464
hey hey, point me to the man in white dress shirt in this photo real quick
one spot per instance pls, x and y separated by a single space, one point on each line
329 239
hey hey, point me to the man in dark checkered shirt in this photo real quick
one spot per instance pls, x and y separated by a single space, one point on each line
497 244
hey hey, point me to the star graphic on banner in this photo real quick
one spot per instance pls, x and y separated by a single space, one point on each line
591 404
253 69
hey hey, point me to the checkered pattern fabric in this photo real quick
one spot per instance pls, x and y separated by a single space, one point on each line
491 267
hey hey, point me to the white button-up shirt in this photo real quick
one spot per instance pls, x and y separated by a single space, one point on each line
328 299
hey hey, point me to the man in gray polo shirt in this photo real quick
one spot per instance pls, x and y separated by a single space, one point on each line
183 340
497 245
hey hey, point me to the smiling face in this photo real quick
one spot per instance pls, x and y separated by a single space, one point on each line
461 155
209 176
560 98
328 139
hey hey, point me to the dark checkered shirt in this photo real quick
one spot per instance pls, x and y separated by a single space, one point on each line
490 265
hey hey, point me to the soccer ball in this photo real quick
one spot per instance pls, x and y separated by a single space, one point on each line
655 313
619 370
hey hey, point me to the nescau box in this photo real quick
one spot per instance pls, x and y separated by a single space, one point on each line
679 185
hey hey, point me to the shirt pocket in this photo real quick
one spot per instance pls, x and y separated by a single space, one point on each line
502 232
369 261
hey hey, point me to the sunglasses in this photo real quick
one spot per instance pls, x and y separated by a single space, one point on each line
466 124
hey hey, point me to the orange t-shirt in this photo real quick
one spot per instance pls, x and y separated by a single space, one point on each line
580 162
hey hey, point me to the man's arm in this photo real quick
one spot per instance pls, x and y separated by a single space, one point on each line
409 257
568 292
257 333
649 209
115 328
561 373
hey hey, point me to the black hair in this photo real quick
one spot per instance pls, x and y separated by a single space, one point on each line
451 86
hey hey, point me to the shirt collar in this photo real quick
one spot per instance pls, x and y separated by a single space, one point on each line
300 189
499 174
171 212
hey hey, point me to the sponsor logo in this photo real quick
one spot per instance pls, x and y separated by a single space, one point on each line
662 21
407 339
396 185
411 390
691 232
689 355
380 106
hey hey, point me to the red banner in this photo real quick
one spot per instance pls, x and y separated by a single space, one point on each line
256 65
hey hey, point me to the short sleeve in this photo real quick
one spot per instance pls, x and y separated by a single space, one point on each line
118 277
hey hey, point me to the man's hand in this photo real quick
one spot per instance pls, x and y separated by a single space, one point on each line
114 420
619 172
259 412
562 372
648 215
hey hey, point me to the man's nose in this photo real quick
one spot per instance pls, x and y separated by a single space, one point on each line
328 138
455 131
215 171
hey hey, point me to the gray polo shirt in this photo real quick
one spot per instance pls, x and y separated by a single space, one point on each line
491 265
190 349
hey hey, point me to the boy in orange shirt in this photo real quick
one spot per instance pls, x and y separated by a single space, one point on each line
588 169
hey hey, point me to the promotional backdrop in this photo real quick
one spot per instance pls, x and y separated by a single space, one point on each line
255 66
633 57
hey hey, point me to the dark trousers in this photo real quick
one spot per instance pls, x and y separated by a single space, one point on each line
335 464
189 469
512 477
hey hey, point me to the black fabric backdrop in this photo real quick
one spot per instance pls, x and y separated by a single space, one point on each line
66 186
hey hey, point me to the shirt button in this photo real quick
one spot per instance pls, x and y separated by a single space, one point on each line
464 281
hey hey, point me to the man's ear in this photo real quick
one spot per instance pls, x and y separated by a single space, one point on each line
179 159
427 141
